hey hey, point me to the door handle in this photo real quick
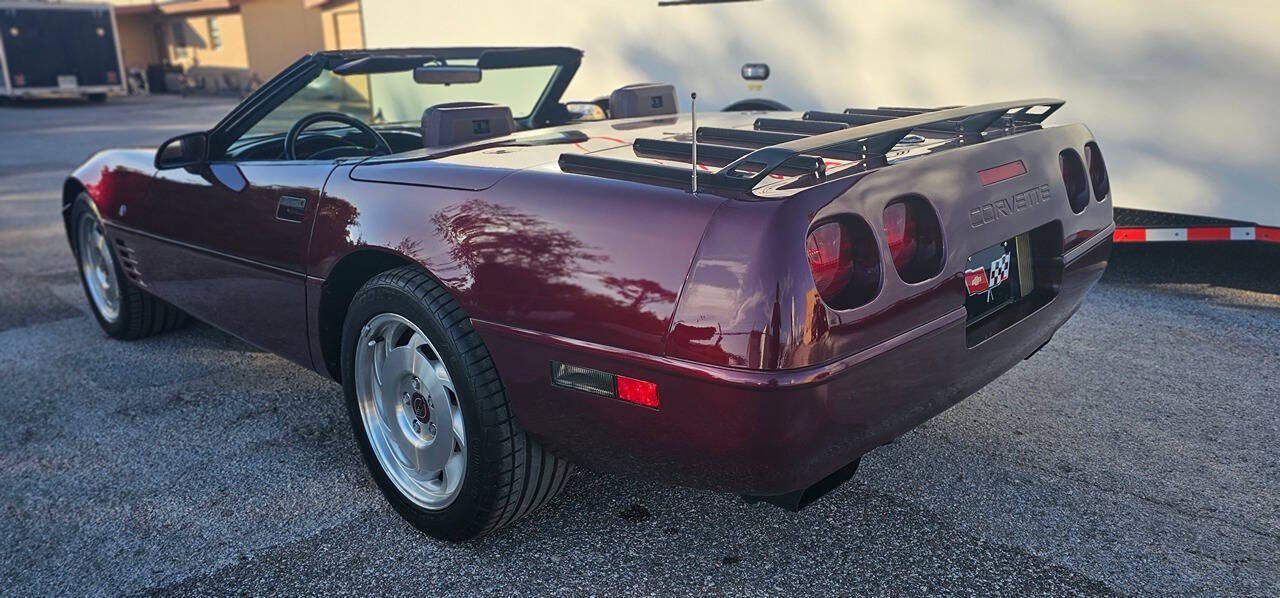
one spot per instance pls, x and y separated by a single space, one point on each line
291 209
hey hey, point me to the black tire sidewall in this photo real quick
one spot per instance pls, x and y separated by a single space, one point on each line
462 518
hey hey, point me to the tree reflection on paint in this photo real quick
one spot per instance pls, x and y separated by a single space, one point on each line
481 233
516 265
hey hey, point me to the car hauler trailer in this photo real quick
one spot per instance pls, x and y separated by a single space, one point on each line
1150 226
1150 82
59 50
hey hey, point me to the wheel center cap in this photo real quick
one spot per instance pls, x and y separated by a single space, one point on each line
420 408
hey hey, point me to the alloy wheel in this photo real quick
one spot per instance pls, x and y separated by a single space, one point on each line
410 411
98 268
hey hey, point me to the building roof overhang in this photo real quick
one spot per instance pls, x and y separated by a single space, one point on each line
186 7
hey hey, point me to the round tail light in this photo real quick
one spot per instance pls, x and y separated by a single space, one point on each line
830 253
844 261
1076 180
1097 171
914 236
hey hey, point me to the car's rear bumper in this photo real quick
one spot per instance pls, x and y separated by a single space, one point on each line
769 432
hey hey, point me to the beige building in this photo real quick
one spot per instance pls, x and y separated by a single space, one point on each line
343 29
232 45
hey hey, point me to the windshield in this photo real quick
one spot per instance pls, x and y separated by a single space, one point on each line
387 98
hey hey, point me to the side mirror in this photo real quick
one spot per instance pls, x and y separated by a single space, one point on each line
584 111
446 75
191 149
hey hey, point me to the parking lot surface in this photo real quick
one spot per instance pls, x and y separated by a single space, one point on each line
1136 454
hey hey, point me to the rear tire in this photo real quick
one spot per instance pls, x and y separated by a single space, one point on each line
404 315
122 309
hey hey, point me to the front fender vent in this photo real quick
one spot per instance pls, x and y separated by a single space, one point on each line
129 262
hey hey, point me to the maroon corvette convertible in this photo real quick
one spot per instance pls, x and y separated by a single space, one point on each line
505 283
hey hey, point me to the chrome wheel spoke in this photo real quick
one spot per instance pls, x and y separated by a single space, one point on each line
436 454
112 293
380 348
442 374
396 366
408 453
437 366
399 365
453 469
417 339
103 251
459 432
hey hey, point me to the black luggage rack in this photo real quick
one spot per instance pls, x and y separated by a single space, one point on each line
794 147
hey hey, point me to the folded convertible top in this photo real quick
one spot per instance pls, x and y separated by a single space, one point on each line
797 146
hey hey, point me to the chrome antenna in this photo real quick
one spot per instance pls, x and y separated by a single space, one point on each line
693 111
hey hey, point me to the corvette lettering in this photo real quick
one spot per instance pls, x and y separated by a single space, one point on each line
1007 206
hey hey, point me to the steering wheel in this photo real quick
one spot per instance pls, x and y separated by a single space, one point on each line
291 140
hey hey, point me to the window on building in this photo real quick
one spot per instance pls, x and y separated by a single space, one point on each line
215 34
179 39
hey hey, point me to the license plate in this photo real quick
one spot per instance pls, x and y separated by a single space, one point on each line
992 279
67 82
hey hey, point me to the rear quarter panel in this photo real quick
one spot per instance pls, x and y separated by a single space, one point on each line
579 257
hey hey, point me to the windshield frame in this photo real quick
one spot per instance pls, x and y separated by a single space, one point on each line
297 76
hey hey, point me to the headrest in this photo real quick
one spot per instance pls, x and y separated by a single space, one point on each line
459 122
642 99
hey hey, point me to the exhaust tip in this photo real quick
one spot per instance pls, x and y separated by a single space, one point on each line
799 499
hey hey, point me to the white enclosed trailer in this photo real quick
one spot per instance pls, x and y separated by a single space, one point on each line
59 50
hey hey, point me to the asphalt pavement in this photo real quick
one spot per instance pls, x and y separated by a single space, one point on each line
1136 454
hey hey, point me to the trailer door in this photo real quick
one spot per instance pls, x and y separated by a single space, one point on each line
60 48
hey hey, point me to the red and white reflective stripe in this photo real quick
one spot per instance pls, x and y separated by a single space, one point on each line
1197 233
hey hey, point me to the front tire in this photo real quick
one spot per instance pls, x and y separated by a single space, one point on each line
122 309
431 415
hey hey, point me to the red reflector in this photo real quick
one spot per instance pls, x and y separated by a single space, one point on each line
112 76
1208 233
1002 172
638 391
1129 235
